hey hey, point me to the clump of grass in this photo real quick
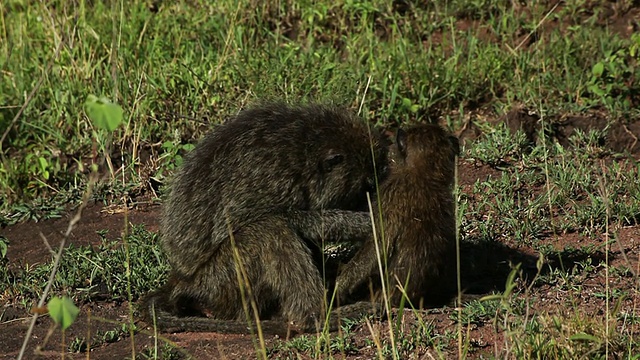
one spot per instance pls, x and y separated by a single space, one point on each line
87 273
562 337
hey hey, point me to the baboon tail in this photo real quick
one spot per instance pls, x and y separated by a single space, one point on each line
155 312
356 312
171 323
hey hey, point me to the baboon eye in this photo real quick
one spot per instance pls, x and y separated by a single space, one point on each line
331 161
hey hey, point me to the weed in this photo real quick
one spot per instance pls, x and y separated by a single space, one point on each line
80 344
166 352
477 312
4 245
89 273
190 64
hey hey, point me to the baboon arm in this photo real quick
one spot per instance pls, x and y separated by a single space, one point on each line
321 226
362 267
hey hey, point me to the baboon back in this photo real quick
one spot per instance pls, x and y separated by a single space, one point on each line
268 159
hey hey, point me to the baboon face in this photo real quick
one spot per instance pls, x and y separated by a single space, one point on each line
347 175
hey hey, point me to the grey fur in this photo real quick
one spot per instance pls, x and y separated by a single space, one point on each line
278 181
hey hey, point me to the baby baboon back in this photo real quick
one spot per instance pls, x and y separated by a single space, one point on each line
418 222
266 187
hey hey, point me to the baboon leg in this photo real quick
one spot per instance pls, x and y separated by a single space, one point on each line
156 312
290 272
277 272
300 287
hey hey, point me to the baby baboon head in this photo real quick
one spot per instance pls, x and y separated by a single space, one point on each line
426 146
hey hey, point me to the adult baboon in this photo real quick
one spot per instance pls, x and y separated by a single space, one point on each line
249 209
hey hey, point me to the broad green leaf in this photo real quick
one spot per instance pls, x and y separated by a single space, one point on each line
43 162
104 114
188 147
3 246
62 311
597 69
167 145
596 90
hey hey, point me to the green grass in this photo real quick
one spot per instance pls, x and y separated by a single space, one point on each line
178 68
88 273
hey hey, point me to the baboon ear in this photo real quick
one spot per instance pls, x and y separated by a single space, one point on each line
331 161
456 144
401 142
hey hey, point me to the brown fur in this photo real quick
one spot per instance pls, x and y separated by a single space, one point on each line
417 224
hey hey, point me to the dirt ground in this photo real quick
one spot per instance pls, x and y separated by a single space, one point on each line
27 248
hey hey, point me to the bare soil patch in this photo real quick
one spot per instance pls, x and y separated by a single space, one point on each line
28 247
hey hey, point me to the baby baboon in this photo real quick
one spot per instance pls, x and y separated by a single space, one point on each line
258 195
418 222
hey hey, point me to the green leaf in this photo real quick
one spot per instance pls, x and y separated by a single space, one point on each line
597 69
596 90
44 164
492 297
104 114
540 262
62 311
167 145
584 337
3 246
510 284
178 160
